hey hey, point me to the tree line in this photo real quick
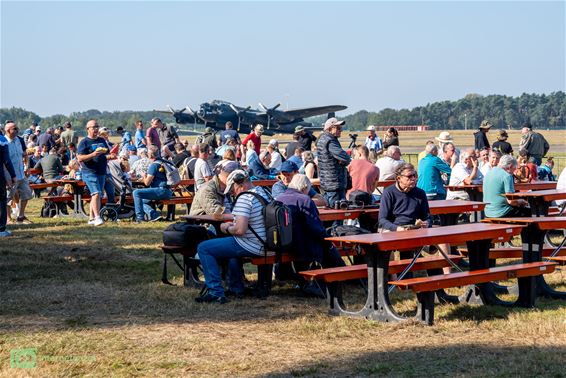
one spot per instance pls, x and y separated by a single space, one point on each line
543 111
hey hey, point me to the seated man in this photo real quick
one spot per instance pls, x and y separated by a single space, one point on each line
157 188
431 172
466 172
288 171
210 198
258 166
240 242
498 182
308 231
404 205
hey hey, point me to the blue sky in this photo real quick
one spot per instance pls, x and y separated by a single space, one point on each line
59 57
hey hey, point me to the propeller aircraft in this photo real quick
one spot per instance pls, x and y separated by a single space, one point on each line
216 113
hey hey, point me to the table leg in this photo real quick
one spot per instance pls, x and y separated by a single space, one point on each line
539 207
481 293
377 306
533 244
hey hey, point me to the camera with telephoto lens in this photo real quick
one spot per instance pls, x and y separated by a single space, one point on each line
342 205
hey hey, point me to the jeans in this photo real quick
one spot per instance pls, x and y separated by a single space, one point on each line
94 182
3 204
210 252
109 189
142 198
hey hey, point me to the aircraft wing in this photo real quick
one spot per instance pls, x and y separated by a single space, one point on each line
311 112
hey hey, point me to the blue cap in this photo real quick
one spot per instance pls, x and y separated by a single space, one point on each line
132 148
289 167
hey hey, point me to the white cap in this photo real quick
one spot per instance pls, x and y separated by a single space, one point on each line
371 128
273 142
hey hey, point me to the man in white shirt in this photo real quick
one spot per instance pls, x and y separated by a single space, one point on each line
203 173
466 172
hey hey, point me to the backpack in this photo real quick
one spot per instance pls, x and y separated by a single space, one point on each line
171 172
184 170
278 225
48 210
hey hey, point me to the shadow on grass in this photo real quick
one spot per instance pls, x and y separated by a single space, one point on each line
465 360
111 276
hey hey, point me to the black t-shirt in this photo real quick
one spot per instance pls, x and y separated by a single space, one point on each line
306 141
179 158
167 135
503 147
97 164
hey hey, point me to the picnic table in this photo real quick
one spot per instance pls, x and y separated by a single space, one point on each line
475 191
78 188
532 237
449 210
539 200
378 249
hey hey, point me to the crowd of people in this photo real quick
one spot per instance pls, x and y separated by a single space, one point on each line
224 168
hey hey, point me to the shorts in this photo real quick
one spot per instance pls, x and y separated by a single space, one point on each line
22 188
94 182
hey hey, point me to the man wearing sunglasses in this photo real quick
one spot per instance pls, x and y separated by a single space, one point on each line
332 162
240 241
403 205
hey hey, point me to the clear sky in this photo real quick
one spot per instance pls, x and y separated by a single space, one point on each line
59 57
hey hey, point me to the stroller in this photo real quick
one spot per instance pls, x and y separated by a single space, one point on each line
123 185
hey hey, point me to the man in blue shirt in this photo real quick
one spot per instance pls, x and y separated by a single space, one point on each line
140 135
229 132
157 188
431 168
92 152
497 182
126 138
286 174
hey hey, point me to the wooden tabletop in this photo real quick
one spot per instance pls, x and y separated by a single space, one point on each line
543 223
263 182
454 206
458 234
547 195
535 185
327 214
71 181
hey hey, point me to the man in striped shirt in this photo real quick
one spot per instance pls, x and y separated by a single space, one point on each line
241 242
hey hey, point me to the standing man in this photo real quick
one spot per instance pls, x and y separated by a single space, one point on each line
202 172
373 142
229 132
533 143
480 136
305 139
46 138
168 137
5 181
501 144
254 136
139 136
92 152
18 157
69 136
126 139
332 162
156 181
152 135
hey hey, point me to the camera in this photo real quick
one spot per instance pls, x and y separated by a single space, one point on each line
353 136
342 205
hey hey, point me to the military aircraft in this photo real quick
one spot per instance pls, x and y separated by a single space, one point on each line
216 113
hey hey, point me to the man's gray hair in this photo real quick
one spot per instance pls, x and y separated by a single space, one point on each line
507 161
300 182
392 149
153 151
430 148
466 154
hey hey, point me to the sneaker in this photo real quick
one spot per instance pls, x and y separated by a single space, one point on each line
5 233
23 220
91 221
210 298
157 218
97 221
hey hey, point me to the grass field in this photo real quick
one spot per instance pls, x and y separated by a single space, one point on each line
91 302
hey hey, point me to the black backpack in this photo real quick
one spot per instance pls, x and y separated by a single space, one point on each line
48 210
278 225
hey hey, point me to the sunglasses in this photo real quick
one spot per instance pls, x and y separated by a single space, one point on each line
410 177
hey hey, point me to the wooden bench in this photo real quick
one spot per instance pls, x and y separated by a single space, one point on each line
425 287
43 185
171 202
558 259
514 252
353 272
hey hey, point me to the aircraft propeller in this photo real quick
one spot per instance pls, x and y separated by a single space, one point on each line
269 112
239 113
193 114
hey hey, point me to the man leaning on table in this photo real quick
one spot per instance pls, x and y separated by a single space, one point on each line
496 184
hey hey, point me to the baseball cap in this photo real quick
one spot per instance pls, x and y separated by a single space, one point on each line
209 130
238 176
119 129
103 130
289 167
330 122
273 142
132 148
230 166
371 128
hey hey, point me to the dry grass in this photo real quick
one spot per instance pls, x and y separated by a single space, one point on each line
72 290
